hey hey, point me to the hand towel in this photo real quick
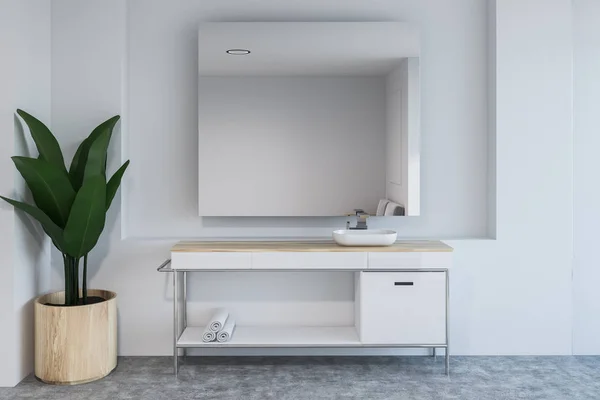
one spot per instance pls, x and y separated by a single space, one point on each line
393 209
226 333
208 335
217 321
381 207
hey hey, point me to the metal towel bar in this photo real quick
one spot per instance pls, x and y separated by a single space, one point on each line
163 266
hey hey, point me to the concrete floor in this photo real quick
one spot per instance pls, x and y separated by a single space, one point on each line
365 378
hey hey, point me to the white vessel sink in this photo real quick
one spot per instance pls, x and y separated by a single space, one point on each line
368 237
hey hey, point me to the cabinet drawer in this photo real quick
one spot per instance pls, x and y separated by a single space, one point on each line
384 260
181 260
402 307
305 260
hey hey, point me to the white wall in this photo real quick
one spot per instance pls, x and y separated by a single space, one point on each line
491 117
290 146
586 124
157 94
513 295
509 296
25 82
163 63
7 215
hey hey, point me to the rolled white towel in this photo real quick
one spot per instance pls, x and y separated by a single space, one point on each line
391 209
208 335
381 207
227 332
218 319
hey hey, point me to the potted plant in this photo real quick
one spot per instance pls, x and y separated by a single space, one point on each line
75 329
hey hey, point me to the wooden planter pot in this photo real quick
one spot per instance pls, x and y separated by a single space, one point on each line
76 344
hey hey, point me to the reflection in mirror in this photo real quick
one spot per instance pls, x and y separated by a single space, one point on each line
308 119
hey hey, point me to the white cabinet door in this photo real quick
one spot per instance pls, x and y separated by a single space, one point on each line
402 307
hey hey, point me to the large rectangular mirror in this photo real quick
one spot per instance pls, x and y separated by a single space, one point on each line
308 119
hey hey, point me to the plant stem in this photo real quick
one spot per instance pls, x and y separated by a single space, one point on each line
84 281
76 279
73 294
67 264
71 280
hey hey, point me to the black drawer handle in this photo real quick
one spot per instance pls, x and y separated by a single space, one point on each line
404 283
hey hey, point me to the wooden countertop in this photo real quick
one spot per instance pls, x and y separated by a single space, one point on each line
408 246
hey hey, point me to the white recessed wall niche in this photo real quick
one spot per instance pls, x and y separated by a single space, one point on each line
308 118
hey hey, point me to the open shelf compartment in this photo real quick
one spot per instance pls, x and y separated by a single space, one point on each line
269 336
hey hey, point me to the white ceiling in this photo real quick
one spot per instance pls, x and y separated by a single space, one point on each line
305 48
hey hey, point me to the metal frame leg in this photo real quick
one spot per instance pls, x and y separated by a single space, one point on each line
447 320
433 354
175 321
185 309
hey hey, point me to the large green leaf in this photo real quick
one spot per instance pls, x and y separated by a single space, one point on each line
54 231
96 162
87 217
77 169
50 187
113 184
78 164
45 141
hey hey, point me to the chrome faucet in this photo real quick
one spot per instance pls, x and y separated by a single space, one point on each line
361 220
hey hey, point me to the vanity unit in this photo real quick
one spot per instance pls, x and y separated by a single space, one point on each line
401 292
